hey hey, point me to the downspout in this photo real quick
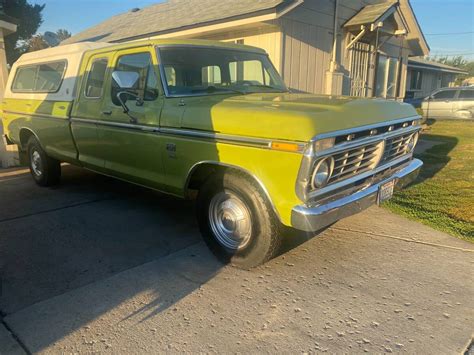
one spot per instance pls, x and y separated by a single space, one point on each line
334 66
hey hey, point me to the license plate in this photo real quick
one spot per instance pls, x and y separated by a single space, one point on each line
386 192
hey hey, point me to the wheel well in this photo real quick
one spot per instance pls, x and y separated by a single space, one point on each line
25 135
200 173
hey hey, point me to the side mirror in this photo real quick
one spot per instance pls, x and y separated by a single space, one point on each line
126 80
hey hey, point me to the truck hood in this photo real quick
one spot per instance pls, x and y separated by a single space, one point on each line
295 117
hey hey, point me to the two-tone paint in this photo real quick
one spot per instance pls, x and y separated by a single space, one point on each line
179 139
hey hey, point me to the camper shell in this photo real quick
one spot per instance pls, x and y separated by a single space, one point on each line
71 55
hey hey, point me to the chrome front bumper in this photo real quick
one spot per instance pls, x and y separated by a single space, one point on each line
311 219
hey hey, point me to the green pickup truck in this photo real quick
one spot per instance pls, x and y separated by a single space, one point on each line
212 120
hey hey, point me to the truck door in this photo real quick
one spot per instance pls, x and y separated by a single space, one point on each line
88 109
129 143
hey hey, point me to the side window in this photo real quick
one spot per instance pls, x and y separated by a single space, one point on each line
248 71
170 73
466 95
96 78
211 75
445 95
141 63
25 79
50 77
39 78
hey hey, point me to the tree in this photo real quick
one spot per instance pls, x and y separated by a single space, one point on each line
38 42
457 62
63 34
29 19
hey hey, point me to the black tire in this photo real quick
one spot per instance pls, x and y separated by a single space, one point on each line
265 231
45 170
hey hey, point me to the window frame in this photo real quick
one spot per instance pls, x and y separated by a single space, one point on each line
126 53
419 81
38 65
88 76
444 98
163 74
464 98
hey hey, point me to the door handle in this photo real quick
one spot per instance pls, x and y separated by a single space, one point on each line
181 103
108 113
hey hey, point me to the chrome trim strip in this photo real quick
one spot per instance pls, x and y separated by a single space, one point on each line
365 128
225 138
39 115
260 142
131 126
316 218
260 184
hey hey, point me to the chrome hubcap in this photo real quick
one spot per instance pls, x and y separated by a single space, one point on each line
230 221
36 163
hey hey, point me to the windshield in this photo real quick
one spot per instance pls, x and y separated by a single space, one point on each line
200 71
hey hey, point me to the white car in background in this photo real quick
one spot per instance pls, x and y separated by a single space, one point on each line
455 102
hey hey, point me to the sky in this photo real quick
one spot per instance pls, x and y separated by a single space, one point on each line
436 17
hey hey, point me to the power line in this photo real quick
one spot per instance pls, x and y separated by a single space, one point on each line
448 34
450 54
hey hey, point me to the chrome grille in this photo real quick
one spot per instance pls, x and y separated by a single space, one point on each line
396 147
355 161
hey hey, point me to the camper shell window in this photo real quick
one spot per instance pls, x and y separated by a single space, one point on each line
39 78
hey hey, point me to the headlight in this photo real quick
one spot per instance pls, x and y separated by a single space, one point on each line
322 173
412 142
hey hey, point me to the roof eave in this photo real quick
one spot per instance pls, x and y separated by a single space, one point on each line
224 23
228 22
436 68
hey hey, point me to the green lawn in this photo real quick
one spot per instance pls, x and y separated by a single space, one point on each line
443 195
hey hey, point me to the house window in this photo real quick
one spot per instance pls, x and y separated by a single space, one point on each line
387 76
416 79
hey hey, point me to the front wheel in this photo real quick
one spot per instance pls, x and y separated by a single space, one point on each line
45 170
237 221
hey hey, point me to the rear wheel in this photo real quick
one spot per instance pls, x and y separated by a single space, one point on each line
237 221
45 170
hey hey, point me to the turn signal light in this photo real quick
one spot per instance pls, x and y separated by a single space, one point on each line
287 147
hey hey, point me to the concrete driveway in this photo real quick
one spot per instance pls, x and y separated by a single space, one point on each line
97 265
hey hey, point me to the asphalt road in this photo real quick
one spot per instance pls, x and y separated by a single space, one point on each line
97 265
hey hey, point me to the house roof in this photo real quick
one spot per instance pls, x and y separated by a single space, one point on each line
371 14
421 63
174 15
